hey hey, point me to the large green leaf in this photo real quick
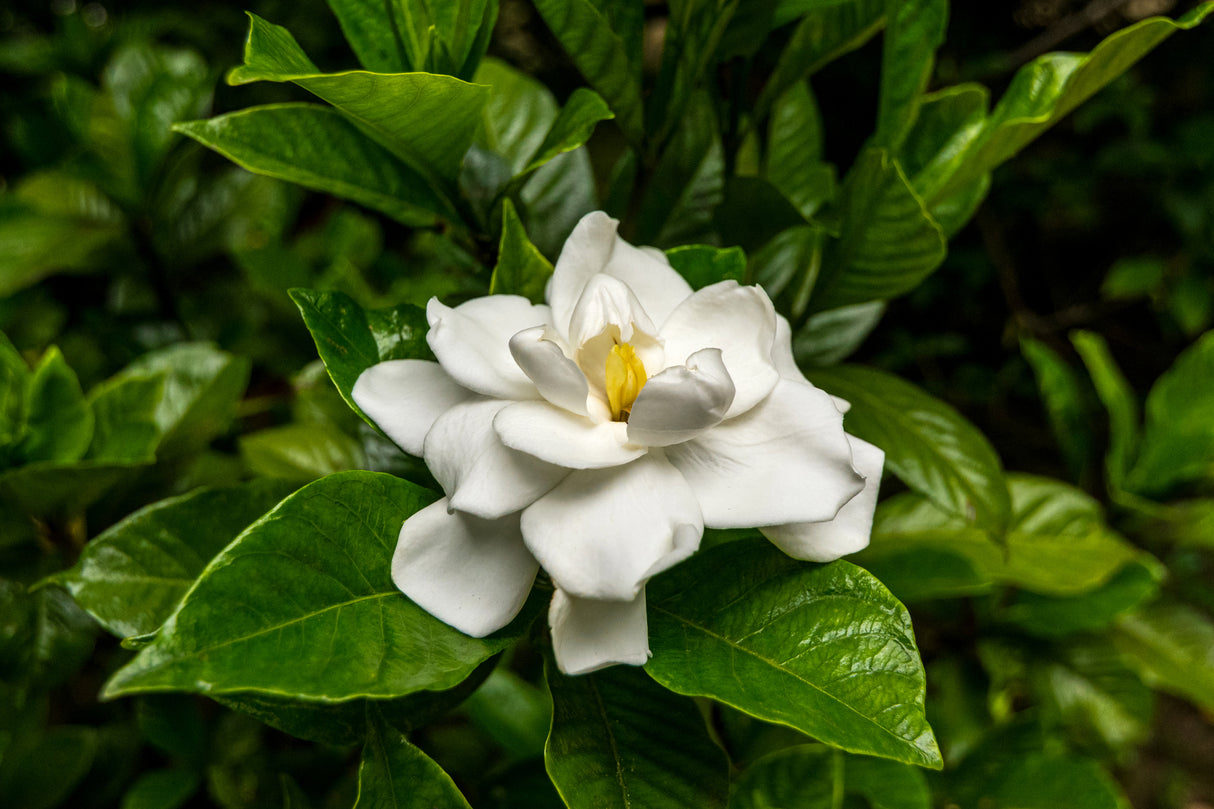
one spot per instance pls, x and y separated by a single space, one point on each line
1044 91
425 119
60 422
601 54
927 444
1171 646
302 604
914 31
374 32
301 451
573 126
888 241
949 120
823 649
521 268
518 115
132 576
351 339
317 147
1178 439
693 33
1056 543
815 777
606 751
793 162
394 773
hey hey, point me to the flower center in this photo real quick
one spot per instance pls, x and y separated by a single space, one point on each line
625 378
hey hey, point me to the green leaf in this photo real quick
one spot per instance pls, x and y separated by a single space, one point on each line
888 241
601 56
573 126
513 712
823 649
395 773
793 162
124 417
927 443
429 124
324 621
606 750
47 489
832 336
46 773
45 636
320 149
1062 395
557 197
60 422
161 789
815 777
351 339
693 32
702 265
1118 399
752 212
1056 542
15 380
518 116
521 268
1043 92
1055 616
914 31
132 576
1178 439
1171 646
374 34
301 452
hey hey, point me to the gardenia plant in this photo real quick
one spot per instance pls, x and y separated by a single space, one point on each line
598 436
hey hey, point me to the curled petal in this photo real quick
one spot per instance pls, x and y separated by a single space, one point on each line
681 402
480 474
602 533
738 320
594 248
786 364
785 461
563 438
588 634
849 531
472 343
539 353
405 397
470 573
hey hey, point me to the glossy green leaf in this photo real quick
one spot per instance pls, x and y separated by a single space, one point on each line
815 777
60 423
1054 616
823 649
927 443
124 417
373 33
320 149
430 124
301 452
606 750
1118 399
573 126
395 773
556 197
914 30
132 576
1171 646
1056 542
518 116
686 186
888 242
702 265
1062 395
1044 91
513 712
793 162
602 57
521 268
1178 439
324 621
351 339
832 336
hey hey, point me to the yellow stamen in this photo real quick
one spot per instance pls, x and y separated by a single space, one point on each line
625 378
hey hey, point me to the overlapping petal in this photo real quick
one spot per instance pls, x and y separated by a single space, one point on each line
787 460
480 474
405 397
851 528
539 353
563 438
470 573
602 533
472 343
683 401
738 320
588 635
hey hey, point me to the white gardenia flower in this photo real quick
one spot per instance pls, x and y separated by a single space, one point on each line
599 435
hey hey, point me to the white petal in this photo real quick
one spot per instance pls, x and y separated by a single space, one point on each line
404 397
851 528
786 364
470 573
682 401
602 533
480 474
593 248
563 438
738 320
472 342
588 635
539 353
785 461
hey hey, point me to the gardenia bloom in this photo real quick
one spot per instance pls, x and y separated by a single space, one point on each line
599 435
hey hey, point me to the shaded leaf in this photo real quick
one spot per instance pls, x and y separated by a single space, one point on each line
1172 648
913 32
1062 396
301 452
521 268
1118 399
60 423
811 776
395 773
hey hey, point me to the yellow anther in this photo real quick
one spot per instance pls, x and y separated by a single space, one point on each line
625 378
